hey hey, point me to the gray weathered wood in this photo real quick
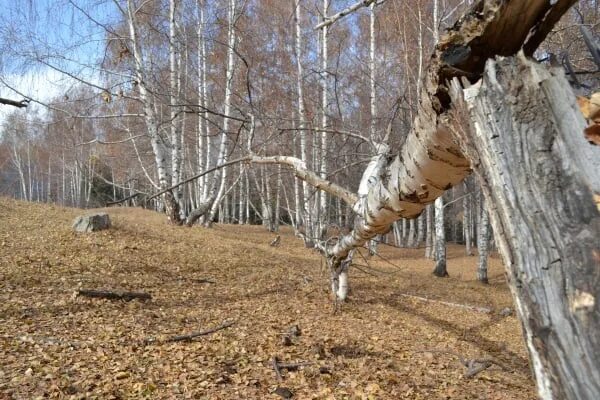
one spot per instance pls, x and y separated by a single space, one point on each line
523 132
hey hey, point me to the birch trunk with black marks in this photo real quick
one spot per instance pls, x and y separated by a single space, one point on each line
483 247
411 233
324 120
175 117
307 212
430 232
430 161
241 209
440 240
229 73
204 137
467 222
523 131
213 193
420 230
151 118
372 95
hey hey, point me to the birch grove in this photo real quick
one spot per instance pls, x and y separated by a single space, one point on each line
268 112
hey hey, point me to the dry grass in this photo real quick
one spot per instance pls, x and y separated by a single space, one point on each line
54 344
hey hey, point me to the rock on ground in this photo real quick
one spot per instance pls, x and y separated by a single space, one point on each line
91 222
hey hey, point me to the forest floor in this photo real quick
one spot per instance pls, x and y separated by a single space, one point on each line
380 345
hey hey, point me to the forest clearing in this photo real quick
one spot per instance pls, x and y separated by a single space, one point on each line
55 344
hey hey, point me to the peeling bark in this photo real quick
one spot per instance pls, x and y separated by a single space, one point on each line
522 129
430 161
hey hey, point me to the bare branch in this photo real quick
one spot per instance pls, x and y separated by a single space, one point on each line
113 142
330 20
14 103
298 166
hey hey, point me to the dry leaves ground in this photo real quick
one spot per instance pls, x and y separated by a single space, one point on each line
57 345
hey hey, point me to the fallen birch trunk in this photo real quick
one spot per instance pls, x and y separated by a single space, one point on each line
431 161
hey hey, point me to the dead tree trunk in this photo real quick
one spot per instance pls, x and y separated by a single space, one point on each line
522 130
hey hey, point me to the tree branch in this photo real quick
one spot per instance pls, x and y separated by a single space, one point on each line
19 104
297 165
363 3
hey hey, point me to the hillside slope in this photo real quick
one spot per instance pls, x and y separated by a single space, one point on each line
59 345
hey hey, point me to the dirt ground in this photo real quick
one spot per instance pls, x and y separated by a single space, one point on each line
381 345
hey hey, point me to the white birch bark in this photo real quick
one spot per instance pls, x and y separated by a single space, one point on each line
204 137
430 161
324 119
420 230
411 233
467 221
373 94
440 236
482 247
241 212
277 214
175 85
150 116
223 146
308 221
440 239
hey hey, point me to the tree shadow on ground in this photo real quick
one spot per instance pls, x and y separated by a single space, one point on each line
508 359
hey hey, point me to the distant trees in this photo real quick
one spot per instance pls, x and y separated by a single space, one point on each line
185 86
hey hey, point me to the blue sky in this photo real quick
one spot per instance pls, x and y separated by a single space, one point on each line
57 31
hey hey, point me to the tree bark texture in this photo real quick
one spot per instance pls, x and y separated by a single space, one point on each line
430 162
522 130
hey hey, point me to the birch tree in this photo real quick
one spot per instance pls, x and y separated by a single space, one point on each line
482 247
151 117
307 212
324 118
518 105
223 146
440 234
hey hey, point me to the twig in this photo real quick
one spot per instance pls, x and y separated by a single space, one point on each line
446 303
99 141
191 178
112 295
294 366
478 365
203 281
362 3
112 203
474 366
192 335
275 365
275 242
